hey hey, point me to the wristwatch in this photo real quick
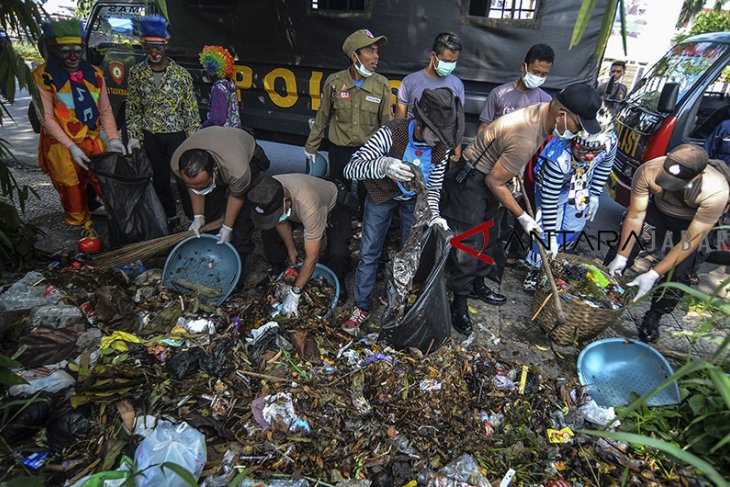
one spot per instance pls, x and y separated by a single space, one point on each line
296 290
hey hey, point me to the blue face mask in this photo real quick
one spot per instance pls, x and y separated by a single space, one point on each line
203 192
444 68
285 216
567 134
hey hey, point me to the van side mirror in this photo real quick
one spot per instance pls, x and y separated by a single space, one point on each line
668 98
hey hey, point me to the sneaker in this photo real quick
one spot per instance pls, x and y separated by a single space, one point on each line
530 282
98 211
357 318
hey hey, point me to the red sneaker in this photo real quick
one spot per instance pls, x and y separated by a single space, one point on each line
357 318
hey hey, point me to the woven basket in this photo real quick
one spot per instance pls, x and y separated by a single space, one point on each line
582 321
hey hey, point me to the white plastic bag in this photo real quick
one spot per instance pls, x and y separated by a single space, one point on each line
42 379
180 444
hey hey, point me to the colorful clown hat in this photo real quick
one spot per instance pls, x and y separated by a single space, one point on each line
64 31
217 61
153 29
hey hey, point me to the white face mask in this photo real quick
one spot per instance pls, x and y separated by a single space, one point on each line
567 134
530 80
203 192
364 72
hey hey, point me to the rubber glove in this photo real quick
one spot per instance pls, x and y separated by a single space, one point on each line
593 204
116 145
290 306
197 224
529 224
133 144
617 265
396 169
440 222
224 235
310 157
79 157
553 245
645 282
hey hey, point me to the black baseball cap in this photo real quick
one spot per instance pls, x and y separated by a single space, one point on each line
267 202
583 101
682 164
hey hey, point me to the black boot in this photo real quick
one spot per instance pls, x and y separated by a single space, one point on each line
460 315
649 327
482 291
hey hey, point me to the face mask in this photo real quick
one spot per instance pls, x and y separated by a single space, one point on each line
444 68
364 72
429 137
532 81
203 192
285 216
567 135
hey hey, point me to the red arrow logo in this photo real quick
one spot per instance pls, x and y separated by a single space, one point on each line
484 228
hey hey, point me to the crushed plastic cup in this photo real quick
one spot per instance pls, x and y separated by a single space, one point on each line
276 412
598 415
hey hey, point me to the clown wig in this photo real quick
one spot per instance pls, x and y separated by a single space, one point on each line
64 31
153 29
217 61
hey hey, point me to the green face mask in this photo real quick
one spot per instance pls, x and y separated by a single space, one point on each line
285 216
444 68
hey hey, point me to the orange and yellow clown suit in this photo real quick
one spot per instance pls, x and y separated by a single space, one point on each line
61 129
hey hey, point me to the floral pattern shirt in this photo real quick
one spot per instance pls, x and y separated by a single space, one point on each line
167 107
223 105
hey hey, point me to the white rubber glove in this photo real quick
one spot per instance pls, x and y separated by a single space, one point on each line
645 282
593 204
224 235
397 169
440 222
116 145
553 245
310 157
529 224
79 157
133 144
617 265
290 306
197 224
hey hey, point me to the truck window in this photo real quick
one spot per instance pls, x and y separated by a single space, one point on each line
341 8
114 25
495 12
684 65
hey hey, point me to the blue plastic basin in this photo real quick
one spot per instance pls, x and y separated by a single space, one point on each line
202 261
325 272
614 368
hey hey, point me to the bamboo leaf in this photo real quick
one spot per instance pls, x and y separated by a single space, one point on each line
608 16
722 384
238 478
722 443
181 471
668 448
584 16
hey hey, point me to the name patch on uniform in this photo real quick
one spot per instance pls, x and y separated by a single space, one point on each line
344 94
373 99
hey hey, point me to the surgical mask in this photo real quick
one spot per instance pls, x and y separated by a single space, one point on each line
285 216
532 81
203 192
430 137
567 134
364 72
444 68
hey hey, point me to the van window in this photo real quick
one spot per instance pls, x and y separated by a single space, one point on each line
492 11
114 24
684 65
714 107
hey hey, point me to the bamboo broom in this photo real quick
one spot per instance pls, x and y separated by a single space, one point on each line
148 248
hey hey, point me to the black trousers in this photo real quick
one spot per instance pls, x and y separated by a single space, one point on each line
336 256
464 206
159 149
339 156
664 301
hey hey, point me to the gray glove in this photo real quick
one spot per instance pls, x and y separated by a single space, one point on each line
116 145
396 169
79 157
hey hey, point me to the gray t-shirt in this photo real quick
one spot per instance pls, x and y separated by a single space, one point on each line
413 85
507 98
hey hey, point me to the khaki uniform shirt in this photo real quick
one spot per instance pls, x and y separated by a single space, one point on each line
353 113
312 200
704 202
232 150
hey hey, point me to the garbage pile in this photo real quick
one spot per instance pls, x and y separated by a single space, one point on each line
128 379
588 283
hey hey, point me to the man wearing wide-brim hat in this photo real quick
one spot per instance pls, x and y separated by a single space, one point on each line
681 194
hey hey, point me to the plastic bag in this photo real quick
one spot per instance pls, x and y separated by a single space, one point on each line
28 418
25 294
66 425
133 208
180 444
463 470
56 316
42 380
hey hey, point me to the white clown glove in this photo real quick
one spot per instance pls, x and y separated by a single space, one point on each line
396 169
617 265
133 144
310 157
645 282
197 224
116 145
224 235
529 224
553 245
79 157
593 204
291 304
440 222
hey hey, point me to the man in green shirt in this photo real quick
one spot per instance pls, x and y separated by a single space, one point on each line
355 103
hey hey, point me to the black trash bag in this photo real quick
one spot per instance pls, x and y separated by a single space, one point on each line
183 363
419 266
65 426
133 208
27 420
217 363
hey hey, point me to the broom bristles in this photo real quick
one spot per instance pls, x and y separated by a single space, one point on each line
148 248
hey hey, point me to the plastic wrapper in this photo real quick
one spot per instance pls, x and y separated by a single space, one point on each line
598 415
42 380
56 316
133 209
276 412
27 293
462 471
425 323
180 444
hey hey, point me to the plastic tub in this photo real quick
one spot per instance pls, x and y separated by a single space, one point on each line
201 261
325 272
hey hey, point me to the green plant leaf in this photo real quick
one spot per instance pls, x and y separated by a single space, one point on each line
238 478
23 482
181 471
9 363
584 16
722 443
676 452
10 378
696 403
722 384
